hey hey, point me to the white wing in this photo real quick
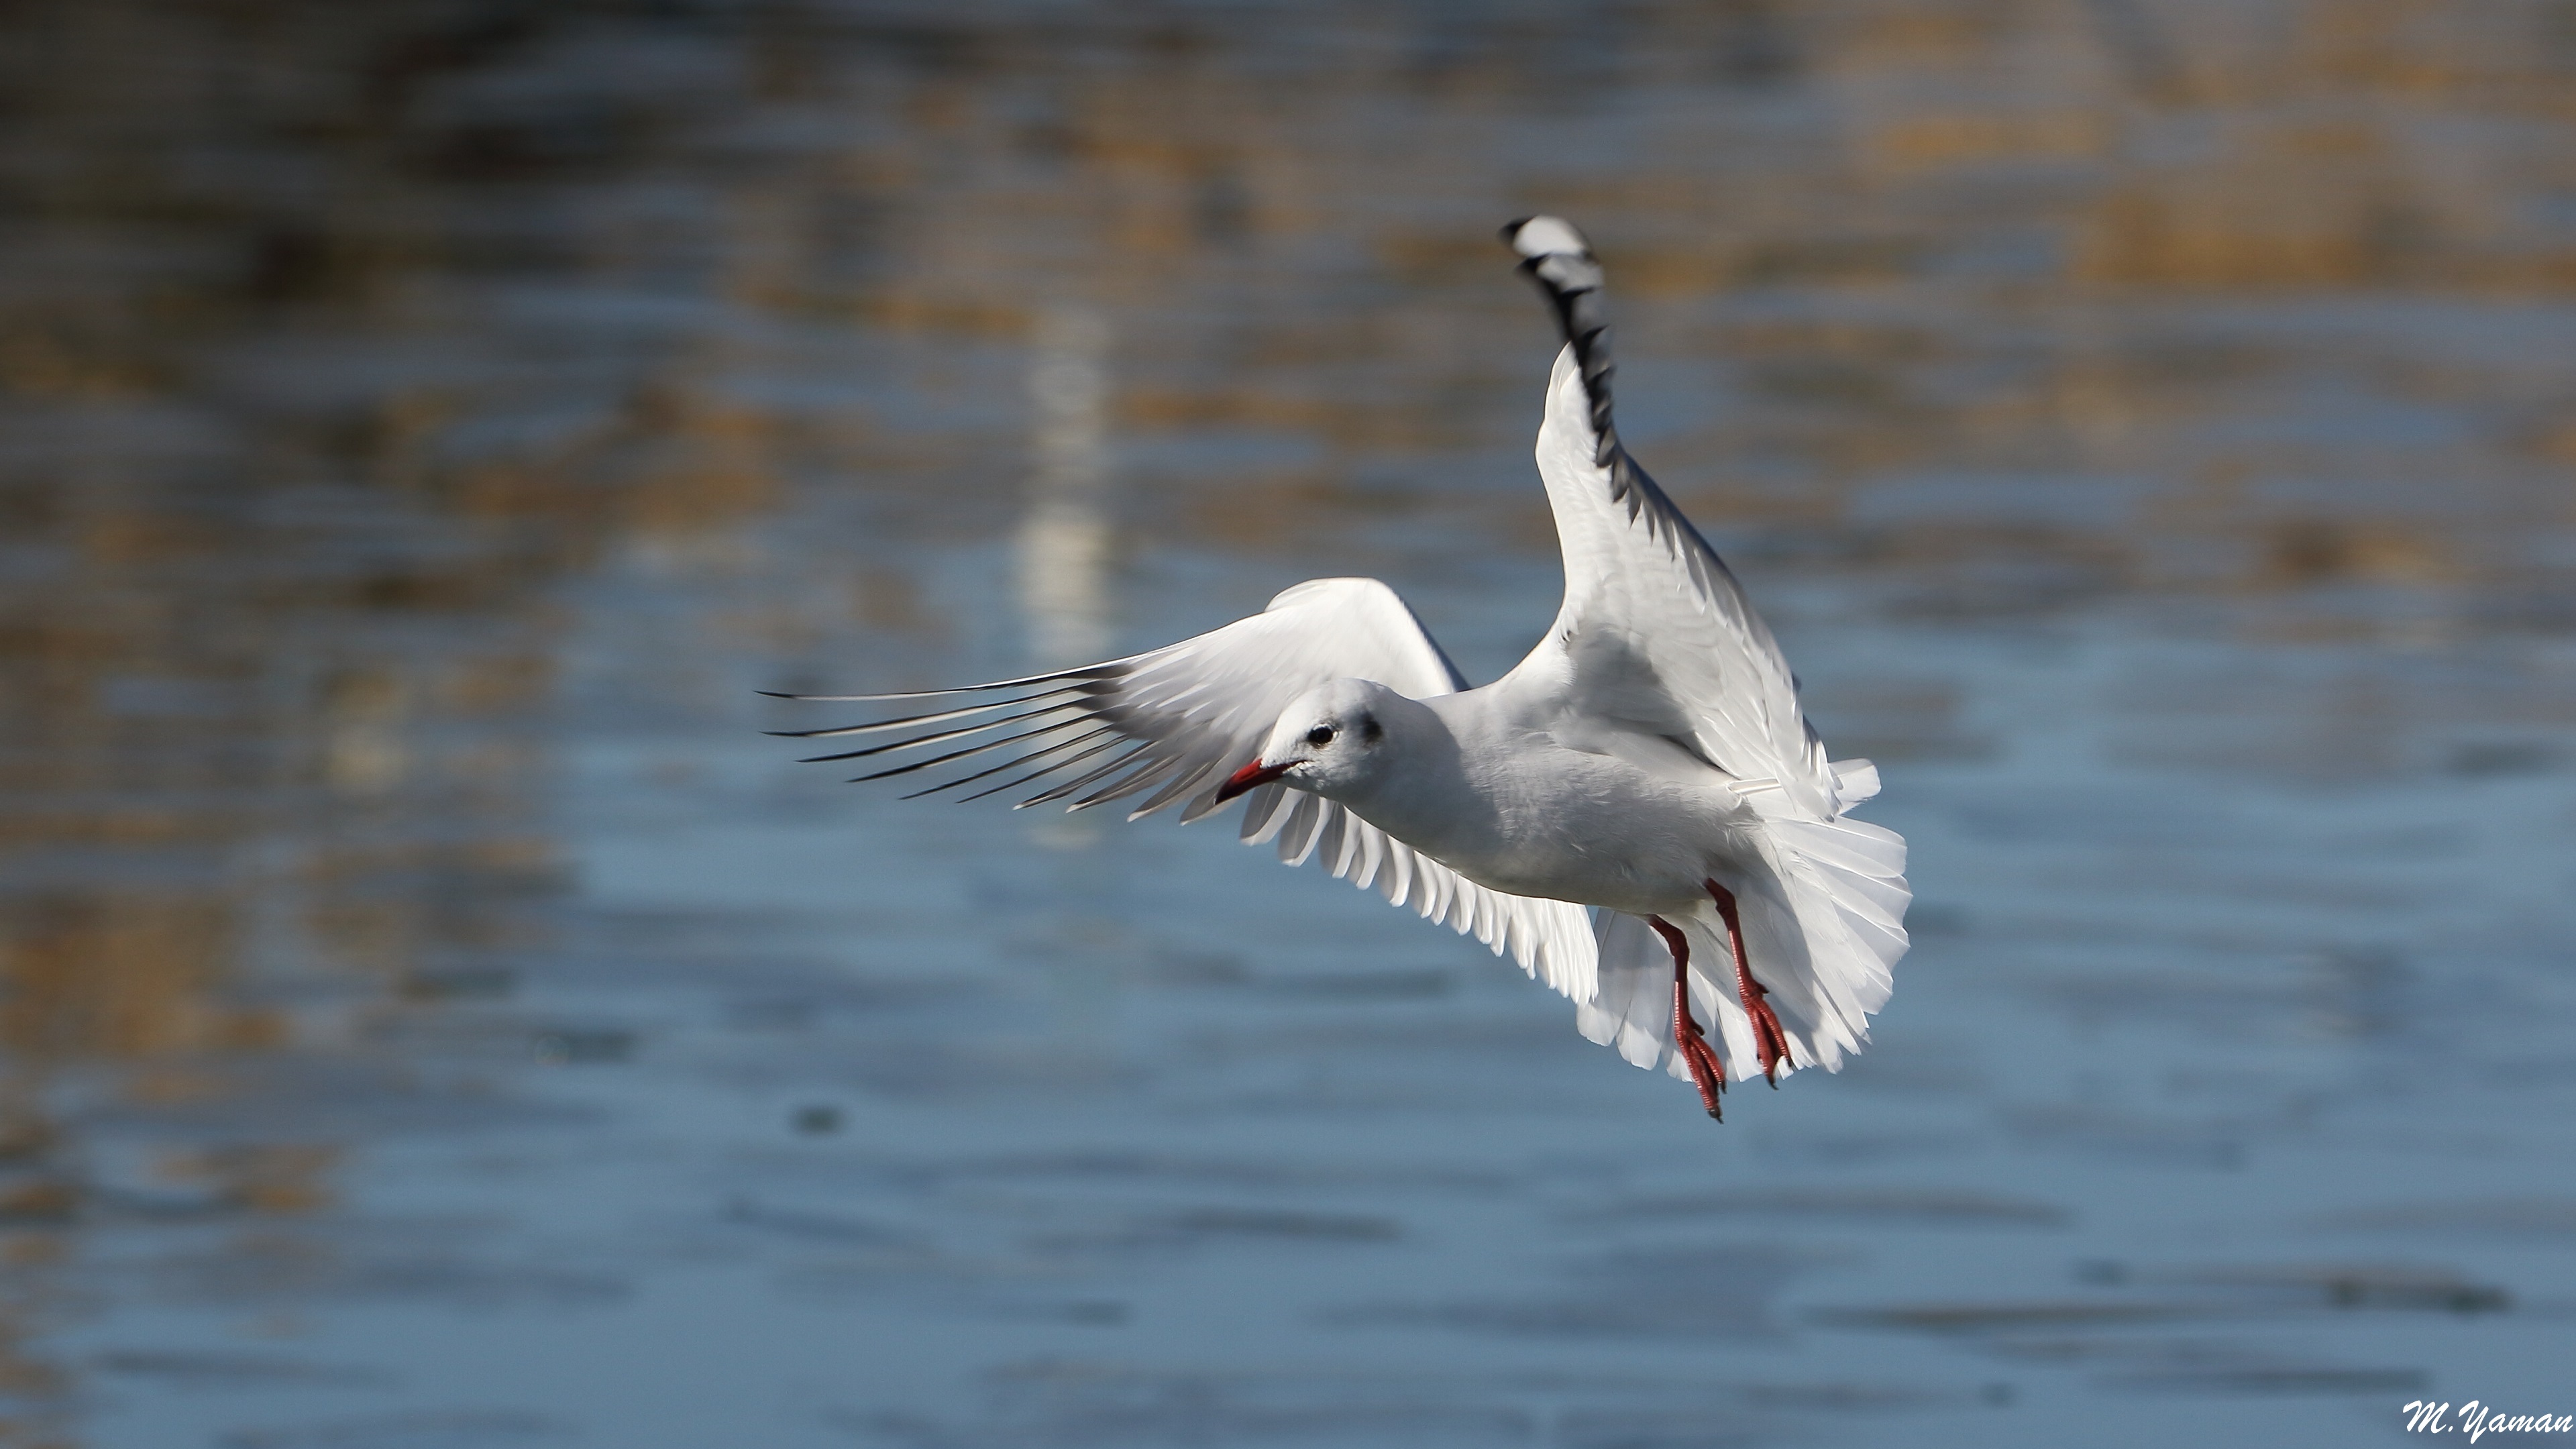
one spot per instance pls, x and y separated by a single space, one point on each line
1655 634
1173 723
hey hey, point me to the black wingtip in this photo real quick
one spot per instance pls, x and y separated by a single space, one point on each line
1512 228
1558 259
775 694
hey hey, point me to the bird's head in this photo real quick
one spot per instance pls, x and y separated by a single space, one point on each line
1331 740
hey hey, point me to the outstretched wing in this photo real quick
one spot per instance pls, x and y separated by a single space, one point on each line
1655 634
1169 725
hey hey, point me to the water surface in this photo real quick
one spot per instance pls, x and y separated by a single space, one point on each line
436 1016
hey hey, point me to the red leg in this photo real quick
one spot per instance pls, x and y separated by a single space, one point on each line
1707 1073
1768 1038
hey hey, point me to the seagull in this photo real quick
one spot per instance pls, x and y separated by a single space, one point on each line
1638 802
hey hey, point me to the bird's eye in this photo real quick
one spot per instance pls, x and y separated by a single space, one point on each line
1320 735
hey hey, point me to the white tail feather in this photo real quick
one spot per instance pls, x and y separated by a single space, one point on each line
1822 933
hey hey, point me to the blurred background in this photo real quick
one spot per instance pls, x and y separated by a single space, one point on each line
435 1016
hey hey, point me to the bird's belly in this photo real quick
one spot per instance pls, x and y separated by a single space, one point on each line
1642 850
1640 884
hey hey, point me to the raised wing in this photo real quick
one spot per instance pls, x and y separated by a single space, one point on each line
1170 725
1655 634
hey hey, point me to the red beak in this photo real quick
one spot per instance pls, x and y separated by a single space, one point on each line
1248 777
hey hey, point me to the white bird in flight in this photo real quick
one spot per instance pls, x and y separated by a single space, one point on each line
1646 765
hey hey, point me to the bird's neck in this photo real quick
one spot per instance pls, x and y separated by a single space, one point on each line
1425 796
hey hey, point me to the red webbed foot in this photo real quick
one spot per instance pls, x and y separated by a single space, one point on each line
1707 1072
1769 1040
